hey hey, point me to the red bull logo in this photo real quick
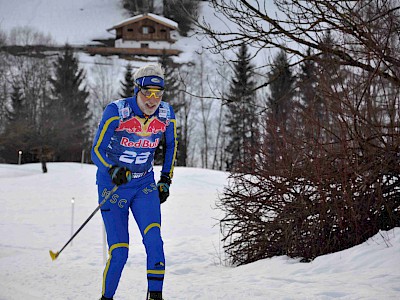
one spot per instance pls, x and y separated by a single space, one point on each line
132 125
142 143
156 126
142 126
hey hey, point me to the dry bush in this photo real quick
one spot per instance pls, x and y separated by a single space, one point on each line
328 185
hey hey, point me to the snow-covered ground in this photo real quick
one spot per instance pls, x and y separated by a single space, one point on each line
36 216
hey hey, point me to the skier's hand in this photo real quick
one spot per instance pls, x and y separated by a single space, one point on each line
120 175
163 188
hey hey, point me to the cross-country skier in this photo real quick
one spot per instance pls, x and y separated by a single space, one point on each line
123 150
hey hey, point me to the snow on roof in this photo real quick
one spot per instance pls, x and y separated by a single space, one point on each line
157 18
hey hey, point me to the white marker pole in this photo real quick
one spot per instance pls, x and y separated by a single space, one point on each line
72 216
83 157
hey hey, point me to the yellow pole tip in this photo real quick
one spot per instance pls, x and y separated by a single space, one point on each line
53 255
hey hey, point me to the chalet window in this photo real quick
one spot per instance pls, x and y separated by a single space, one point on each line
144 45
130 29
148 29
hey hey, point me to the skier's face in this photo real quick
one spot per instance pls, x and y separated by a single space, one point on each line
149 98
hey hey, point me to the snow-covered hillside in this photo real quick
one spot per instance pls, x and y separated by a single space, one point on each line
36 216
75 22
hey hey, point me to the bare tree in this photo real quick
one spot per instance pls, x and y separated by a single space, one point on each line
295 26
205 85
184 117
218 89
104 87
4 88
338 186
25 35
28 130
205 111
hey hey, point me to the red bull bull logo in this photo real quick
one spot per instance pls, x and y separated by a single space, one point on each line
156 126
132 125
142 126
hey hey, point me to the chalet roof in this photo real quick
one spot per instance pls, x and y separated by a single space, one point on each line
159 19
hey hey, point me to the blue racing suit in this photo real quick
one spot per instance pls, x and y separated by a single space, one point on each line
128 138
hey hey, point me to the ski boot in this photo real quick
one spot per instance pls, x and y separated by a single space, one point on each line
105 298
155 296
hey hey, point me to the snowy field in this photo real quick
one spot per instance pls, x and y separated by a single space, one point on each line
36 216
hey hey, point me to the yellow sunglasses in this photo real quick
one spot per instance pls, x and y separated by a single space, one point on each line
148 93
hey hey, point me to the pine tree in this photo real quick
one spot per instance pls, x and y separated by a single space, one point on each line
70 95
171 79
311 101
280 102
19 132
128 84
281 87
241 113
330 79
308 82
17 103
182 12
171 95
135 7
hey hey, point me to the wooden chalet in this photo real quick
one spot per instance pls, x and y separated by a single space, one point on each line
146 34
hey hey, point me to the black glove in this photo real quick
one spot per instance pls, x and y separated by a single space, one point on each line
120 175
163 188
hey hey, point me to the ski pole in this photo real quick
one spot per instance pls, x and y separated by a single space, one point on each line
56 254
